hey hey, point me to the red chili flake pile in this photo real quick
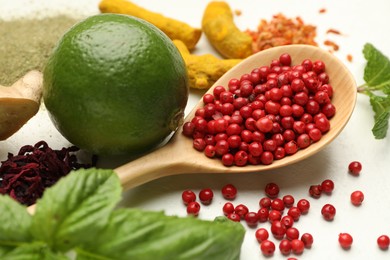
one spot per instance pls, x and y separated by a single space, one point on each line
26 175
281 30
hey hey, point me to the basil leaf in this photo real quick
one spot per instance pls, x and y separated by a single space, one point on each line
379 104
5 249
381 125
377 70
15 222
381 107
33 251
76 208
135 234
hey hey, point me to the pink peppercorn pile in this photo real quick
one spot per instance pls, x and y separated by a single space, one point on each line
265 115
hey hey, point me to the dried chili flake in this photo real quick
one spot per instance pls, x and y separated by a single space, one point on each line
349 57
322 10
334 31
332 44
282 31
26 175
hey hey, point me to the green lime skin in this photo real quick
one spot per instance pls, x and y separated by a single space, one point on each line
115 84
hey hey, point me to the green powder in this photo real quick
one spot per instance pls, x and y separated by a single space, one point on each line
26 45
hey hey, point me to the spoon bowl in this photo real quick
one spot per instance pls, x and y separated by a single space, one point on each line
179 157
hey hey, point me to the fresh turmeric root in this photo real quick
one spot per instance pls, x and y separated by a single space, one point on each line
174 29
204 70
223 34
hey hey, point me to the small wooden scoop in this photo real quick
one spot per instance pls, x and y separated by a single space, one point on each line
19 102
179 157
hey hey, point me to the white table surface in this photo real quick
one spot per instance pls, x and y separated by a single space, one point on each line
360 21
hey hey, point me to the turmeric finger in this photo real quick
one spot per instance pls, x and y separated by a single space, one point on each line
174 29
204 70
223 34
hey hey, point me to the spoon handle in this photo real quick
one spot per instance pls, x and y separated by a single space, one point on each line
161 162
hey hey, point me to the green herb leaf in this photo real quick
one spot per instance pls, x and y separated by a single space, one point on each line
5 249
15 223
135 234
377 70
77 213
32 251
380 104
381 125
76 209
381 107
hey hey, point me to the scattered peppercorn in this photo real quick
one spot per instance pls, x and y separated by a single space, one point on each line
327 186
315 191
193 208
188 196
228 208
328 211
357 198
272 210
383 242
206 196
267 247
355 168
307 240
285 246
345 240
272 190
297 246
229 191
303 206
261 234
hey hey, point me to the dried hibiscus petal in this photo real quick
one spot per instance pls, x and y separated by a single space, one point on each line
26 175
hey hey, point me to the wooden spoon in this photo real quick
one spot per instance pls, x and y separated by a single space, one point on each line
19 102
179 157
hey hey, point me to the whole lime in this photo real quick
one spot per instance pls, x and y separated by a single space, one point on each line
115 84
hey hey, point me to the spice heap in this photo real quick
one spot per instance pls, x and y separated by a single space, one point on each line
281 30
26 175
26 43
264 115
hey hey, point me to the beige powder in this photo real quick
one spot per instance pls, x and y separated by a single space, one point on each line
26 44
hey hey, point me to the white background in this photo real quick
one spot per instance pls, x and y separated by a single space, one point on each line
360 21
